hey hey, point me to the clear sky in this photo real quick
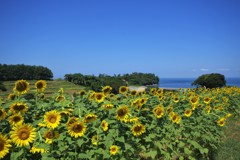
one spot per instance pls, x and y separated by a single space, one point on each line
170 38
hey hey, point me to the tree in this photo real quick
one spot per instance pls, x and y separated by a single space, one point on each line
212 80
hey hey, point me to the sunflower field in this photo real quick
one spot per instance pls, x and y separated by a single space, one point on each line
154 124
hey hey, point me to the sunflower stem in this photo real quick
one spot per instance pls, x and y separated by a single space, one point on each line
36 98
24 153
76 151
41 139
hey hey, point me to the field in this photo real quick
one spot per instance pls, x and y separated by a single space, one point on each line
64 121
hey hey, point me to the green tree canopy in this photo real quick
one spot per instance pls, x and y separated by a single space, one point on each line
212 80
27 72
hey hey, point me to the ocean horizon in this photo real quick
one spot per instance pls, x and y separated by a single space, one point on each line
186 82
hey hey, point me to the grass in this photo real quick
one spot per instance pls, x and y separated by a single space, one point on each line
229 150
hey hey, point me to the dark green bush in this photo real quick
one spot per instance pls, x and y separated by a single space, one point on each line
2 87
212 80
97 82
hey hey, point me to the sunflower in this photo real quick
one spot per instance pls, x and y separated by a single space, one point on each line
91 95
207 100
123 89
77 129
194 100
72 120
60 98
175 118
153 91
2 114
65 113
18 108
82 92
169 109
188 112
106 90
11 96
133 92
40 85
15 119
160 91
176 99
4 145
135 102
221 121
108 106
61 90
138 129
228 115
37 150
158 111
41 125
99 97
50 135
160 97
21 86
90 118
22 135
134 120
95 139
143 101
114 149
104 125
207 109
122 112
52 119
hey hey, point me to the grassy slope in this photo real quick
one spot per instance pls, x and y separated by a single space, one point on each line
52 86
228 151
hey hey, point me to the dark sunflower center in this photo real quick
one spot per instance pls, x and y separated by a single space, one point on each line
103 125
138 128
21 86
39 85
77 128
174 117
52 119
49 135
194 100
16 119
123 89
59 98
106 90
19 107
207 99
1 145
71 121
113 149
122 112
158 112
99 96
23 134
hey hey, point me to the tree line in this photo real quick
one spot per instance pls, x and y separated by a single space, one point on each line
27 72
97 82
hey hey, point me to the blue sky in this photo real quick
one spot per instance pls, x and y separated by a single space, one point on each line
170 38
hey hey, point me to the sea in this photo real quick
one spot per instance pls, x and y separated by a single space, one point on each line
186 82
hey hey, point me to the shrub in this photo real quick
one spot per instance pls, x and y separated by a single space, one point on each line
212 80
